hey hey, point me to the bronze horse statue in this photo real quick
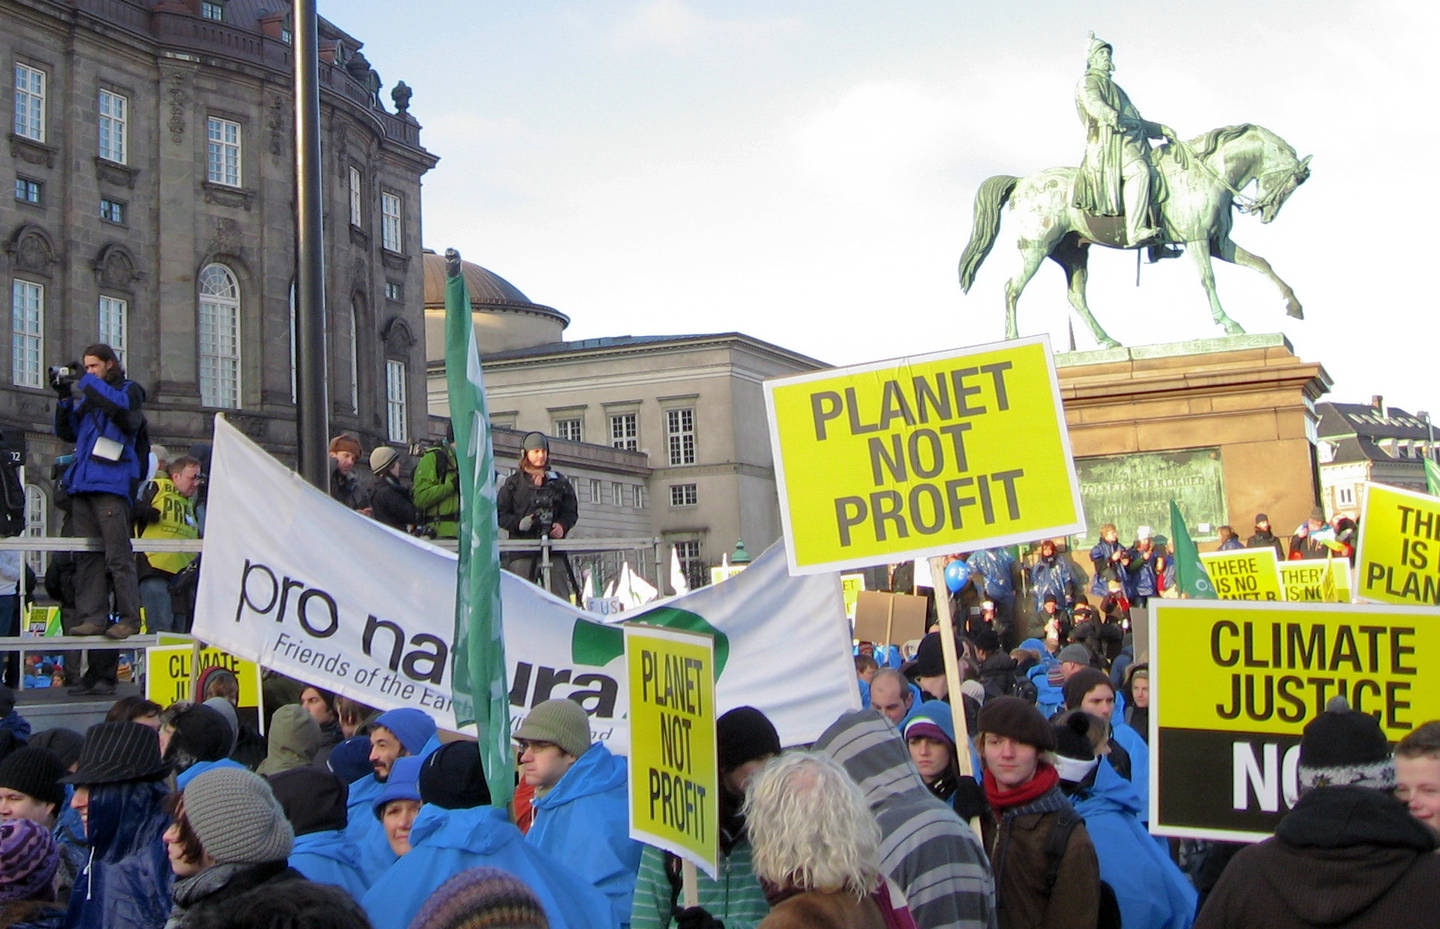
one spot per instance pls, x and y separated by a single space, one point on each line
1202 180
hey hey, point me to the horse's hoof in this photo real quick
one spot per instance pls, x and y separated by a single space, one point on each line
1232 327
1108 343
1294 310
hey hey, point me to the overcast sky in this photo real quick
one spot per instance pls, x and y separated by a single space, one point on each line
804 172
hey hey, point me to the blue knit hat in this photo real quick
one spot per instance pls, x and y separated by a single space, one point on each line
412 727
350 760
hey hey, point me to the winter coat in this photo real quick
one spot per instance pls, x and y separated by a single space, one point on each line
1016 843
200 767
364 831
1106 569
445 842
1152 891
928 850
996 673
126 882
516 500
817 910
1263 539
1142 581
390 503
585 820
108 410
345 487
1346 857
436 492
31 914
239 879
735 897
1231 544
325 857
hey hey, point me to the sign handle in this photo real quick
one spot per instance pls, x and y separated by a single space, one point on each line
952 673
690 887
889 622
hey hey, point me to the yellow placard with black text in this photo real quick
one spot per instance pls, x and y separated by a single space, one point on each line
1398 559
1310 580
1234 684
674 769
1244 574
922 456
850 587
168 676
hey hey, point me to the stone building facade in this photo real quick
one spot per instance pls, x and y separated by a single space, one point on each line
661 435
1370 442
152 150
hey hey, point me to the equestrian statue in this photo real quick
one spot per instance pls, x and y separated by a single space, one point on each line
1127 195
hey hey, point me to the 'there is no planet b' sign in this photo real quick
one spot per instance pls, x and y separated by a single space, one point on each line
921 456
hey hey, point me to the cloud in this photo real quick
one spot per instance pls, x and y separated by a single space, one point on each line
676 27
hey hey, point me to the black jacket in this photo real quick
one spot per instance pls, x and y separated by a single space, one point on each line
390 503
519 497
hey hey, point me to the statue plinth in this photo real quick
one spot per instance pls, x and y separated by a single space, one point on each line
1247 396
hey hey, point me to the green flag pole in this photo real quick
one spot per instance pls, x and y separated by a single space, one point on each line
478 681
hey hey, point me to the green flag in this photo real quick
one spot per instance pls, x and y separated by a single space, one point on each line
1190 574
478 678
1432 477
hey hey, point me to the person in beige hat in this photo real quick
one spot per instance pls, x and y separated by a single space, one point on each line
582 812
389 498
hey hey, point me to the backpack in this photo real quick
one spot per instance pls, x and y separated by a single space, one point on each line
12 493
1065 822
1021 686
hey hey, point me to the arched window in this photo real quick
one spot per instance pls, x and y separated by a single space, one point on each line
219 337
37 524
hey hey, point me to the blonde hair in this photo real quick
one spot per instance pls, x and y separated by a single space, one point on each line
810 827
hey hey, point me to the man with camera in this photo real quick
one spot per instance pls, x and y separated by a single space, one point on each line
534 502
99 410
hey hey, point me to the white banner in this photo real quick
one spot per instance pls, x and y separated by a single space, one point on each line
305 586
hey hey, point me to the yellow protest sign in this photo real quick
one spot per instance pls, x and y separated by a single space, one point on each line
42 620
1338 584
1308 581
1233 685
1399 552
920 456
674 772
1244 574
168 677
850 587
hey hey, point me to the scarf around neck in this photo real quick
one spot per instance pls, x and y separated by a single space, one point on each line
1046 777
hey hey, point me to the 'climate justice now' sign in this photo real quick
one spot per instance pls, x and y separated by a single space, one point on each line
921 456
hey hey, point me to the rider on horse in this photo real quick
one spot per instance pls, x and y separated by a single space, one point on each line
1115 176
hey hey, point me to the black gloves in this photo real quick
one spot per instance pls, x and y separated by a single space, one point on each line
969 798
696 917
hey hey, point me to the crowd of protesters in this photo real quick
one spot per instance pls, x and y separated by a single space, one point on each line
184 816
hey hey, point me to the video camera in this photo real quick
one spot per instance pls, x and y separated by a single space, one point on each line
62 376
544 502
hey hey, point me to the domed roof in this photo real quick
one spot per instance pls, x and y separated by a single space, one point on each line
505 318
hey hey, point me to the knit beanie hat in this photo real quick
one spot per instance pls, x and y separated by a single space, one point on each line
1074 652
930 656
1074 752
350 760
226 709
201 734
28 858
411 726
742 735
34 772
453 777
1342 747
1017 719
1081 683
482 898
560 722
65 743
314 798
237 818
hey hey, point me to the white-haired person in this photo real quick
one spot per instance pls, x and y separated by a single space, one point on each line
816 848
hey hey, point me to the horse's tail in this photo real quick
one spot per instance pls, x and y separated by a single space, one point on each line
989 199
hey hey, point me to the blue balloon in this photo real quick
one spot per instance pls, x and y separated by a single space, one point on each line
957 575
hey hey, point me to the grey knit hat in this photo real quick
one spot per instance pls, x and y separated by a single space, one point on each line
237 818
560 722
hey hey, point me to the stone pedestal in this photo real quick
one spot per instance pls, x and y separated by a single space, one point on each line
1248 396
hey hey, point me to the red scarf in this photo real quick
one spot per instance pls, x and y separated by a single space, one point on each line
1002 800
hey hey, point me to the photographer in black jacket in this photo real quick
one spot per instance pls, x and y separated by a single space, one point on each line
533 502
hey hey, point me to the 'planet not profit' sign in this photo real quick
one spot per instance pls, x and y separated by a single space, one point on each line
920 456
